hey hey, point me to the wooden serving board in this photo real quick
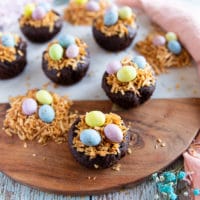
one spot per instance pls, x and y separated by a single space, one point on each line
176 122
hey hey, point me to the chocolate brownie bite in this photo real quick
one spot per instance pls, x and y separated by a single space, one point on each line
39 23
66 60
12 55
129 83
115 29
98 140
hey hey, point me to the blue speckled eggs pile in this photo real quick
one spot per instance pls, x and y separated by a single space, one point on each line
7 40
91 137
65 43
113 14
172 42
42 104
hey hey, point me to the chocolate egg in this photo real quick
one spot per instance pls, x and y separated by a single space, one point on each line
72 51
46 113
126 74
159 40
28 9
113 133
113 67
56 52
171 36
95 118
7 40
39 13
29 106
93 6
174 46
44 97
90 137
110 17
65 40
140 61
125 12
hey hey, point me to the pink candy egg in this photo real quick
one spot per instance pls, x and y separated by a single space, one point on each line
113 133
39 13
159 40
29 106
72 51
92 6
113 67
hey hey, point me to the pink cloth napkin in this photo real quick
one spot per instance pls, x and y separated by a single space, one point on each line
178 16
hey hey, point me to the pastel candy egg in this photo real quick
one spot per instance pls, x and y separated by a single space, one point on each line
95 118
29 106
113 133
45 5
65 40
125 12
46 113
38 13
56 51
44 97
92 6
112 7
113 67
81 2
140 61
126 74
8 40
110 17
90 137
171 36
28 9
159 40
174 46
72 51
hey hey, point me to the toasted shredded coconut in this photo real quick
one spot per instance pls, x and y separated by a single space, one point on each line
144 77
159 57
32 127
105 147
48 21
78 14
67 62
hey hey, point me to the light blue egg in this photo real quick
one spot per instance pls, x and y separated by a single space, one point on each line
140 61
65 40
45 5
46 113
90 137
8 40
174 46
110 17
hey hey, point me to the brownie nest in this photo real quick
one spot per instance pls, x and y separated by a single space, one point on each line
14 68
100 161
129 99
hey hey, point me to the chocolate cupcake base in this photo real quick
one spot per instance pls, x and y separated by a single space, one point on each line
100 161
12 69
67 75
114 43
129 99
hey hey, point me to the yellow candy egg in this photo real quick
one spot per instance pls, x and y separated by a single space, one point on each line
95 118
28 9
81 2
126 74
44 97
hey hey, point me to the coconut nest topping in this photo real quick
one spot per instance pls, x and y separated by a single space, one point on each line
78 14
67 62
144 77
120 28
106 147
48 21
32 127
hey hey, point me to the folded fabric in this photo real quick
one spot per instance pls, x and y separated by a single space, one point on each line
178 16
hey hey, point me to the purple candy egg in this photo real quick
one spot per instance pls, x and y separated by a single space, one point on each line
113 133
72 51
113 67
159 40
29 106
39 13
92 6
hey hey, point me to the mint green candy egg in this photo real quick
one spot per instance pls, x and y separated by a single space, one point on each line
56 52
171 36
28 9
125 12
95 118
81 2
126 74
44 97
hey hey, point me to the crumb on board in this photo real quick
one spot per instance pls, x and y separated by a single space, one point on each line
163 144
158 140
25 145
177 86
116 167
96 166
33 154
129 151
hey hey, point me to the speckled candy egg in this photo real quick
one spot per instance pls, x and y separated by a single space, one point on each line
81 2
29 106
140 61
113 133
113 67
72 51
174 46
90 137
65 40
159 40
93 6
126 74
39 13
44 97
8 40
56 52
46 113
171 36
125 12
110 17
95 118
28 9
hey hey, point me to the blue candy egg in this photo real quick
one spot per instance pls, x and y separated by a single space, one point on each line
46 113
90 137
65 40
174 46
140 61
8 40
45 5
110 17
